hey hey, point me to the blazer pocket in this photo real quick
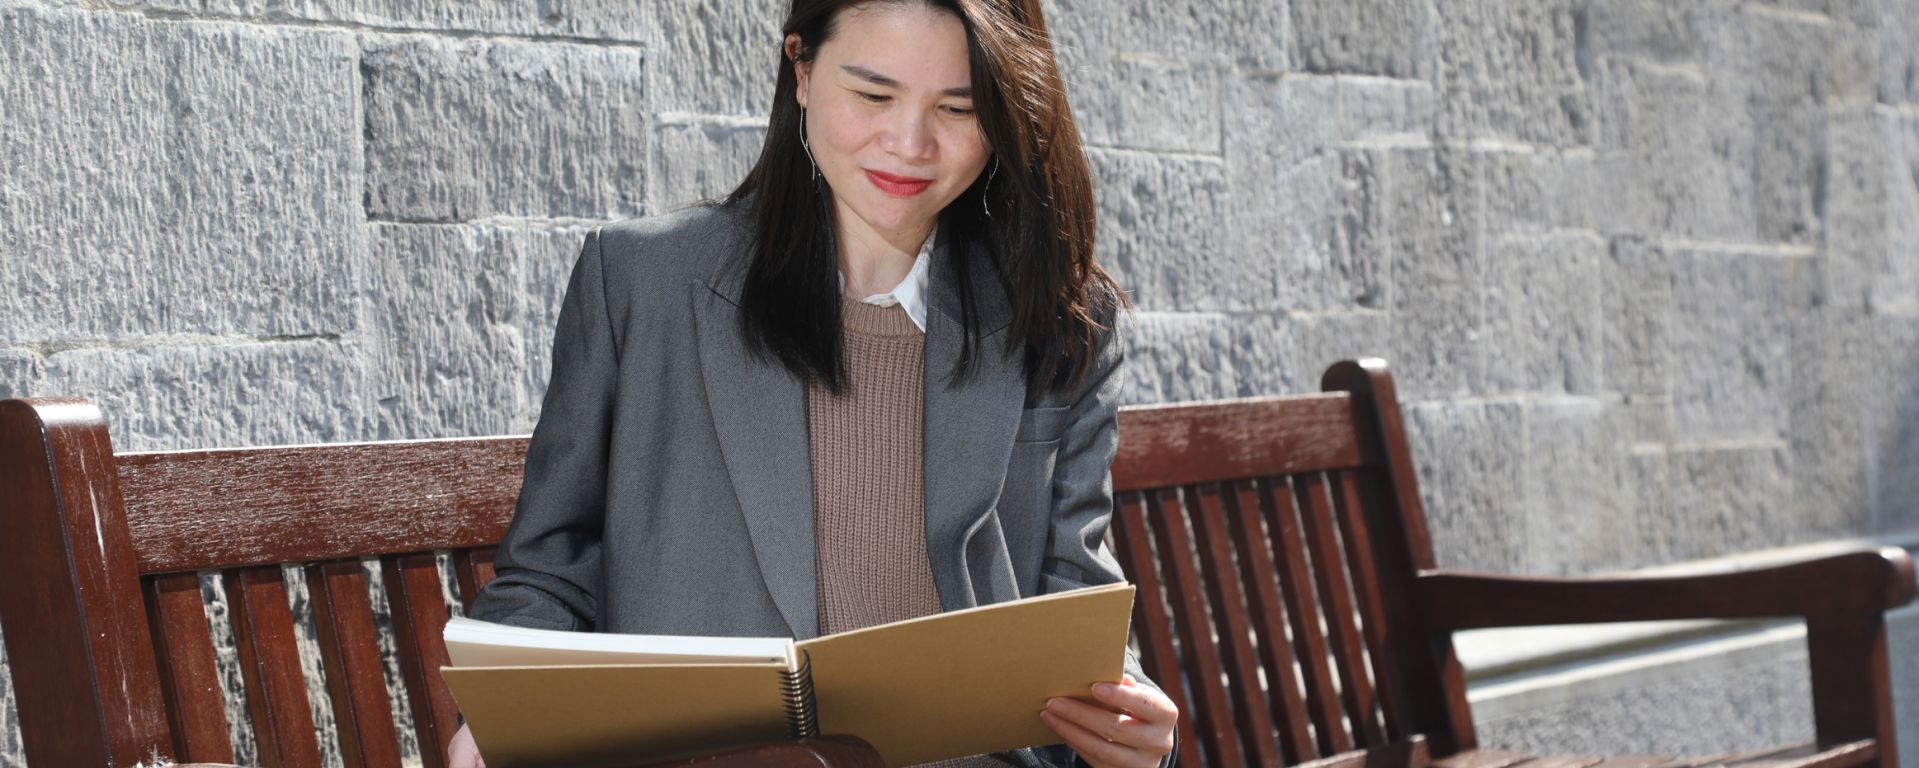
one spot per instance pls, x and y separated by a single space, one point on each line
1041 425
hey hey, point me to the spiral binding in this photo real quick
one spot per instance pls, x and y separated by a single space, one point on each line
801 718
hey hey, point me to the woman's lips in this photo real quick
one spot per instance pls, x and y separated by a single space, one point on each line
898 186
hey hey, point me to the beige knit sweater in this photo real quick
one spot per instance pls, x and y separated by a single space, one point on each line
868 500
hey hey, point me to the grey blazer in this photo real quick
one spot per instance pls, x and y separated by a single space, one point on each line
667 487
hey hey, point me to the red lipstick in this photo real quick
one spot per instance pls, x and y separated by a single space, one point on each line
898 186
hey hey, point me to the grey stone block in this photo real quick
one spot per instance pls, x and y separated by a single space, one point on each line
464 129
1428 208
273 393
1895 286
1085 37
1471 467
1892 433
448 307
592 19
1166 105
200 179
1534 191
1780 69
1297 223
1729 341
1248 35
1637 306
698 158
1898 25
1679 135
715 57
1370 37
1511 70
1830 392
1710 501
20 372
1161 229
1575 520
1858 254
1178 356
1544 324
1277 354
1377 109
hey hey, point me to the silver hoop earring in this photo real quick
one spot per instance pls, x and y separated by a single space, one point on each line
808 147
989 185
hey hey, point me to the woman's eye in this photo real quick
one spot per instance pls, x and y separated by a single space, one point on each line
872 97
959 111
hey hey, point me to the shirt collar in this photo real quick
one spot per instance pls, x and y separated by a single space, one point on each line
910 294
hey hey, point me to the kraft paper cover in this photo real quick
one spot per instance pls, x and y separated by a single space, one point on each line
611 716
971 681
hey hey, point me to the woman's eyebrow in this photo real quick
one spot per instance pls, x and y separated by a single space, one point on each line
964 92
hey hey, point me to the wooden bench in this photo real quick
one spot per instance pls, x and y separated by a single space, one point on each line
1251 521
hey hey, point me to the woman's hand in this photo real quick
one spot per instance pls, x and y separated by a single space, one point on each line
1131 727
461 752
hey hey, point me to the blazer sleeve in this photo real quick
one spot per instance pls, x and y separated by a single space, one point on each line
548 565
1076 553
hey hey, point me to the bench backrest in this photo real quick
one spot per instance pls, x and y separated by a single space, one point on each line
1251 521
1274 542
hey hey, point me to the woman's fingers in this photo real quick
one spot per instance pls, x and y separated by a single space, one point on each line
1140 701
1107 724
1096 750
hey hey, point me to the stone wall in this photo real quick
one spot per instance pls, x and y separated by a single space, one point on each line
1646 269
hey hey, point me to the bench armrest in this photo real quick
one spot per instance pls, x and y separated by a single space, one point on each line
1867 582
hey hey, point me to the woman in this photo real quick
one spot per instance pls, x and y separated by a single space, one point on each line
732 443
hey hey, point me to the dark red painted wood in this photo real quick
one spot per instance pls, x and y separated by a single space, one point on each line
1349 502
474 568
189 677
265 635
419 615
350 655
1231 621
1302 607
1163 446
1284 693
1212 707
376 498
1152 622
85 678
1329 574
1435 684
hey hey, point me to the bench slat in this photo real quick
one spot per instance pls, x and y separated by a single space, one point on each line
473 568
350 652
1198 653
1329 571
1257 568
1302 608
376 499
1164 446
419 614
276 688
1254 720
1152 624
1349 502
189 678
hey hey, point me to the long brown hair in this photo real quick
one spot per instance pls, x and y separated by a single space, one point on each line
1040 236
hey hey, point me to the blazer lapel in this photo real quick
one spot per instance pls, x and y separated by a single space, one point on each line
759 413
968 429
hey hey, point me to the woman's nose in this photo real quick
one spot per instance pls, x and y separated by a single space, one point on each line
909 136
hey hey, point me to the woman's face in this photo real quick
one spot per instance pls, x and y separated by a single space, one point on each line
887 99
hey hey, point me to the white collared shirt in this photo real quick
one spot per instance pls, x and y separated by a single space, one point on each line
910 294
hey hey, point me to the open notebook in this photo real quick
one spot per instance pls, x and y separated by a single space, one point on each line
947 685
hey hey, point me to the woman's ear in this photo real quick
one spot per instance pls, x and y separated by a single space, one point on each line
802 70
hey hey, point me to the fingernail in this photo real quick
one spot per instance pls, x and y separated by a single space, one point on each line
1104 689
